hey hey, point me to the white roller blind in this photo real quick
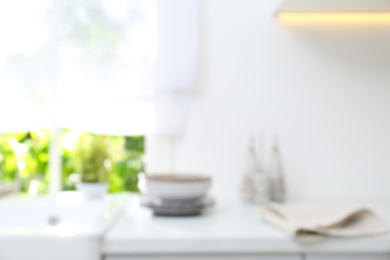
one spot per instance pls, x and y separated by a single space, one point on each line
25 66
123 67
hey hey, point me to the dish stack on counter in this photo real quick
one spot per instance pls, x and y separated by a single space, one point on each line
177 195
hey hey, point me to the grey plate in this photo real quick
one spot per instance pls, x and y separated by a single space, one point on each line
174 203
182 208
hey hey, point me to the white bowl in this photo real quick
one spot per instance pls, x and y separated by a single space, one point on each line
169 186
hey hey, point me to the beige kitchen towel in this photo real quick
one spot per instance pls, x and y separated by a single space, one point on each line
309 225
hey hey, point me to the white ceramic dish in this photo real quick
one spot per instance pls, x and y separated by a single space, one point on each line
177 186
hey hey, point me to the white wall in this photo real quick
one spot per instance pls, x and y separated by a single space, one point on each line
325 91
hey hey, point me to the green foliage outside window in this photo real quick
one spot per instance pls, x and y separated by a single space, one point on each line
25 157
92 158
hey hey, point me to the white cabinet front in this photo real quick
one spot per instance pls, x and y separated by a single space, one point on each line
207 257
348 257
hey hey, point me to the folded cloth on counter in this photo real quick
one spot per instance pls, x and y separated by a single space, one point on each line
309 225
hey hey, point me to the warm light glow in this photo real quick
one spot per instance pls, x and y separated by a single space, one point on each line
335 18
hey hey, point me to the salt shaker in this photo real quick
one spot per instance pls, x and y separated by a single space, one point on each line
255 183
275 173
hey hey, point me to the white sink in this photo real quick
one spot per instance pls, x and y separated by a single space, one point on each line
62 229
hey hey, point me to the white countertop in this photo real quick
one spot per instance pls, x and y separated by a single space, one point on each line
230 227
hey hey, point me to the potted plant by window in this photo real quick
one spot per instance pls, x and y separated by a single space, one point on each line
92 162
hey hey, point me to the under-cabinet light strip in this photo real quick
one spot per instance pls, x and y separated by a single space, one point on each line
336 18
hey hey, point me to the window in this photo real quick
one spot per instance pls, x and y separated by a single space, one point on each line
24 157
112 67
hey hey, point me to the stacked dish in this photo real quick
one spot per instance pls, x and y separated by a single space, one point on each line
177 195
